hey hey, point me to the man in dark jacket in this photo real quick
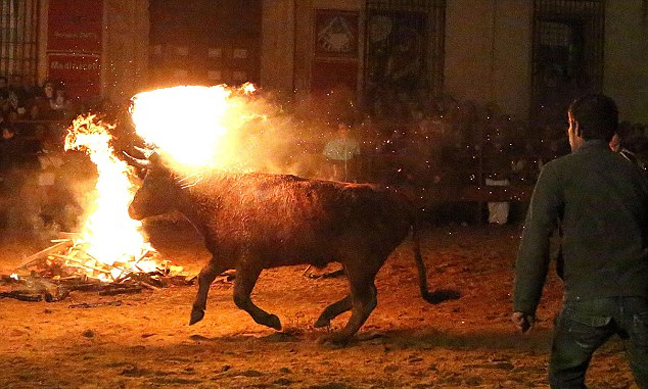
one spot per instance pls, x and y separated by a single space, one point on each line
601 201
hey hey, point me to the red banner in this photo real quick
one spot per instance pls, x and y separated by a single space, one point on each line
74 46
75 26
80 73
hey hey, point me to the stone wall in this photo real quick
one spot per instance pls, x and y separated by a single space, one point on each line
125 54
288 28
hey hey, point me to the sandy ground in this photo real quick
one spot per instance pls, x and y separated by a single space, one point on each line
144 341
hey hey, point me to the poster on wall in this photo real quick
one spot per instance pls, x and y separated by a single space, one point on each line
75 25
396 60
74 46
336 33
80 73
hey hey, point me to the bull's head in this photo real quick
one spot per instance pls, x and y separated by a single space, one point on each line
158 191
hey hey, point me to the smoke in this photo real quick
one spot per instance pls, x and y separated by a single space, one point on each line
197 128
46 200
236 129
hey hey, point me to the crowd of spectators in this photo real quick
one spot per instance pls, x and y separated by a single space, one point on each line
32 121
459 142
33 113
438 141
445 142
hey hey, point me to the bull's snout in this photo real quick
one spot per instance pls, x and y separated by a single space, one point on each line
134 214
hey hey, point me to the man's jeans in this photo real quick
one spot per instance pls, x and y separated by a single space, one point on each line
584 325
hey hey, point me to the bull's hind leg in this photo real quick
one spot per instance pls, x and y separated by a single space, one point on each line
205 279
363 301
243 284
332 311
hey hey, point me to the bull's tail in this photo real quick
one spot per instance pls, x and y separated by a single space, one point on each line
431 297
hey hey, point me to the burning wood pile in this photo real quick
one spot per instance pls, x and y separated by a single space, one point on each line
51 274
110 253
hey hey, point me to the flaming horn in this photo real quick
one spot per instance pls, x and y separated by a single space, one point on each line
141 163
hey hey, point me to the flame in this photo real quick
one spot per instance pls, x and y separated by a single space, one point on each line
109 234
193 126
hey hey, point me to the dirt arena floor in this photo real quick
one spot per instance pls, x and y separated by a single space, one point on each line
144 340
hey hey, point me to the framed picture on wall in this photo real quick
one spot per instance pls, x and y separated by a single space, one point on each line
336 33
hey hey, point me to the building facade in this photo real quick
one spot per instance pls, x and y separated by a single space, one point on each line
522 56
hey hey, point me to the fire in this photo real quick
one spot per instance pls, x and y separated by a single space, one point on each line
193 126
109 235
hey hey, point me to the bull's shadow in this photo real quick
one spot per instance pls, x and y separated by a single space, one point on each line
537 341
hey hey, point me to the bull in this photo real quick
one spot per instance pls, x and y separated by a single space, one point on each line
255 221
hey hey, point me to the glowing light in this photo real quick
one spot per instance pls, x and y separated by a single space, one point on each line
193 126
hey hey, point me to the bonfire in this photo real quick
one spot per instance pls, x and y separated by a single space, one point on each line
111 252
110 248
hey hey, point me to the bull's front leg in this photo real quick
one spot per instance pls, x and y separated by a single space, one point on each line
244 282
205 279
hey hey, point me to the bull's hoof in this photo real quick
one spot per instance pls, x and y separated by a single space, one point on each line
322 322
336 339
441 295
273 322
196 316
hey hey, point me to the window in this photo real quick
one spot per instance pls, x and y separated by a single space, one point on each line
216 41
403 52
19 24
567 55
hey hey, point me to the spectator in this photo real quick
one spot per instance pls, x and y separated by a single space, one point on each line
498 170
4 89
60 104
617 146
601 203
9 185
342 152
48 91
398 152
10 154
5 108
21 91
42 100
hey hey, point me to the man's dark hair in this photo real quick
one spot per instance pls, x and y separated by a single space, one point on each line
597 116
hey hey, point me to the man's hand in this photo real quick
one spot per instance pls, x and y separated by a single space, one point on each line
522 321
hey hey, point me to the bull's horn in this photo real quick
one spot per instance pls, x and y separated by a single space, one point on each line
141 163
145 151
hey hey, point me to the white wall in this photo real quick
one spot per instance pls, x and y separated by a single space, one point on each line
625 76
488 52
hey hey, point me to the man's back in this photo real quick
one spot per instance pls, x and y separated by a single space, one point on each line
602 201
